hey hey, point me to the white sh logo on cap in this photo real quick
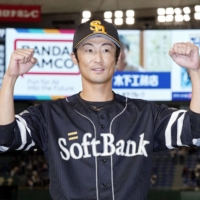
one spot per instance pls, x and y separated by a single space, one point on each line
97 27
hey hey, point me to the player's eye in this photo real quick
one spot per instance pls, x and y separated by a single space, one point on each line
89 50
106 50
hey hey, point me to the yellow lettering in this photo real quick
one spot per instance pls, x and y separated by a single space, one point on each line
97 27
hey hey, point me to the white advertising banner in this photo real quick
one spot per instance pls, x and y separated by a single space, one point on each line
145 70
54 75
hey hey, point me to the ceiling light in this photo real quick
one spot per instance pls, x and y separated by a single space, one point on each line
169 18
178 18
108 20
86 14
169 11
197 16
161 11
118 21
178 11
186 10
161 18
197 8
108 14
130 20
118 13
186 18
130 13
84 20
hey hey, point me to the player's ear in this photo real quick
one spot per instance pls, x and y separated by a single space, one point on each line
119 58
74 59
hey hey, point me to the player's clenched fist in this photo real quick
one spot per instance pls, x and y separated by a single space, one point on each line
186 55
21 61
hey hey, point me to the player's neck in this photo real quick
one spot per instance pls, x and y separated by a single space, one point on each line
97 93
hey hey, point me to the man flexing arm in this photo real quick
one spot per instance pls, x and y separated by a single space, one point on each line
21 61
187 55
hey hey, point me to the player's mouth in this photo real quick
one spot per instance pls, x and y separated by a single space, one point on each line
98 69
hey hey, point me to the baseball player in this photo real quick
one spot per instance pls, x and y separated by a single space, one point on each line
98 144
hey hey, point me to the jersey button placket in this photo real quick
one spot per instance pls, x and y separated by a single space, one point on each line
105 185
102 117
104 164
102 126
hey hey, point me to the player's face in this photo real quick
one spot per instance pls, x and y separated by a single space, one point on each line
96 60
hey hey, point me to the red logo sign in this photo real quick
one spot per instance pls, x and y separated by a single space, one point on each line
19 13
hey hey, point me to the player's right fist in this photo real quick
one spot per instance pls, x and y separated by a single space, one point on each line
21 61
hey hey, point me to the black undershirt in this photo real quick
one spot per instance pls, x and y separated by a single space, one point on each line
96 105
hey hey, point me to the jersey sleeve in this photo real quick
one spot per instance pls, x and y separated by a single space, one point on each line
28 131
175 128
195 127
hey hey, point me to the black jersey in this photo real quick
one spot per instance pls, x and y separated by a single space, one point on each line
100 155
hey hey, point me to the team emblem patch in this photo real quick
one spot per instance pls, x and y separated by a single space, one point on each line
97 27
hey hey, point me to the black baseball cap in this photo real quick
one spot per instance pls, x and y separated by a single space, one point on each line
95 28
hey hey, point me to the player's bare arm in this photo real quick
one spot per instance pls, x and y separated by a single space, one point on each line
21 61
187 55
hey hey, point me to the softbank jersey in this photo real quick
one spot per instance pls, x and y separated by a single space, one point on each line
102 155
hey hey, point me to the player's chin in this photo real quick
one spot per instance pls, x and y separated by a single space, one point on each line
101 80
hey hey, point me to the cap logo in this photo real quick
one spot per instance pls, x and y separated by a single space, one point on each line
97 27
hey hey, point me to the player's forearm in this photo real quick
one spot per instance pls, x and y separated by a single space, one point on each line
7 112
195 101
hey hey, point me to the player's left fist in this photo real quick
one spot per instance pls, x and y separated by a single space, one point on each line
186 55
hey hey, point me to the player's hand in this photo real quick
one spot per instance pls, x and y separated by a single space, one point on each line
186 55
21 61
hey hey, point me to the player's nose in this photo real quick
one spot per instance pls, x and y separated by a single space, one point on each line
98 57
